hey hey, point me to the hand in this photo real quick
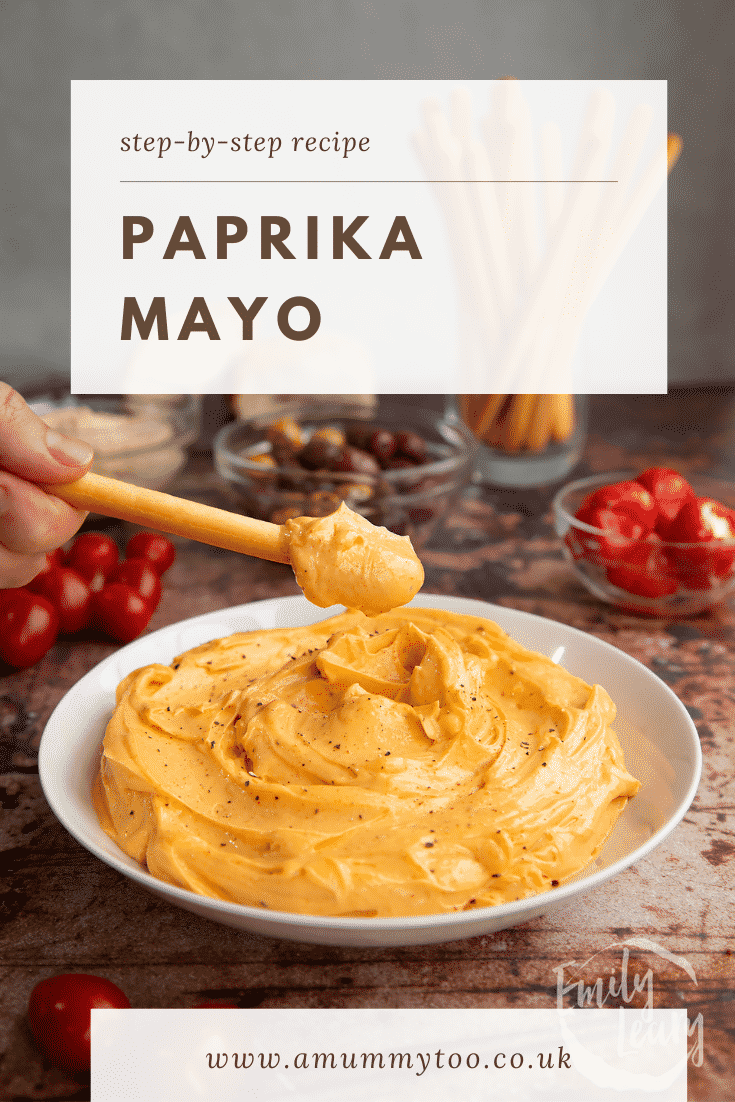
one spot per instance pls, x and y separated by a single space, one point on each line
32 521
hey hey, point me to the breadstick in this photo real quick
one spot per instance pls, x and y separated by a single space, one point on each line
673 150
539 431
471 407
516 422
562 416
494 434
489 414
176 515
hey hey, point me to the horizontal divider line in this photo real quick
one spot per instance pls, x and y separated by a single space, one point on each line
368 181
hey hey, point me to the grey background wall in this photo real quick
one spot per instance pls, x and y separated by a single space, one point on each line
45 43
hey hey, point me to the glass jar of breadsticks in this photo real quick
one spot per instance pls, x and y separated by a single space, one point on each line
526 439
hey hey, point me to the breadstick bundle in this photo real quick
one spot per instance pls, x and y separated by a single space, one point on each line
514 423
526 284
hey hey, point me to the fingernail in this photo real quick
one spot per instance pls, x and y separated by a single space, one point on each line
70 452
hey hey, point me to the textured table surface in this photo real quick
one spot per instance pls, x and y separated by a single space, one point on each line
671 918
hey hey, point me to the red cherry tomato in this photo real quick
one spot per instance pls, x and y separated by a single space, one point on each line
92 552
6 593
669 490
629 498
29 625
121 612
140 575
53 558
70 595
59 1014
157 550
645 570
97 580
617 534
705 523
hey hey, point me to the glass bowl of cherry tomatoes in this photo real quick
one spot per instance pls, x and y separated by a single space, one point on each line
399 465
650 542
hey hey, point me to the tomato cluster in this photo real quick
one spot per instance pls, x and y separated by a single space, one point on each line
653 535
83 588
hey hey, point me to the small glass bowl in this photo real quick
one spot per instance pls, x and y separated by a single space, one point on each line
409 501
652 577
548 459
138 438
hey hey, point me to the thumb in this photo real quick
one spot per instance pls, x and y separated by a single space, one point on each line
31 450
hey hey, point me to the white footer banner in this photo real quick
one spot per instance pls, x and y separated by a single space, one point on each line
376 1055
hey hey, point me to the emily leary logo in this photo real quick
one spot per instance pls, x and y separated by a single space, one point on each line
618 988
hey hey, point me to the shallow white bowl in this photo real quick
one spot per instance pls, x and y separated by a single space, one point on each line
657 734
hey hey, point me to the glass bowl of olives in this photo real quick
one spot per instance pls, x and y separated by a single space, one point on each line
399 465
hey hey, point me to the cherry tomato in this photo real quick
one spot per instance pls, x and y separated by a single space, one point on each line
617 534
53 558
97 580
92 552
140 575
59 1014
7 593
70 595
630 498
704 523
121 612
645 570
29 625
157 550
669 490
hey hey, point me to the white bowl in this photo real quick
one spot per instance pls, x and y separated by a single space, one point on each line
658 737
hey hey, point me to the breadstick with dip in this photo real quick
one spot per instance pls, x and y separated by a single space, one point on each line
338 559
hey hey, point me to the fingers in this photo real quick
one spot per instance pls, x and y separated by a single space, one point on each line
29 449
32 521
17 569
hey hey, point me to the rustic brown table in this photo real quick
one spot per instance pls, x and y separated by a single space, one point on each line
65 911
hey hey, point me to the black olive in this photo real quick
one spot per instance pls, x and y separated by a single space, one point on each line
354 460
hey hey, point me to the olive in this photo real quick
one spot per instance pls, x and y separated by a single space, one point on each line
285 437
359 435
267 465
355 460
412 445
330 435
382 444
263 459
320 452
355 494
322 503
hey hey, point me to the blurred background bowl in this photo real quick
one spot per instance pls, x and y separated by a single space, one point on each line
654 577
138 438
410 497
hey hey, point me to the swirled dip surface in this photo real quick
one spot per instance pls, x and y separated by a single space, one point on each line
343 559
413 763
